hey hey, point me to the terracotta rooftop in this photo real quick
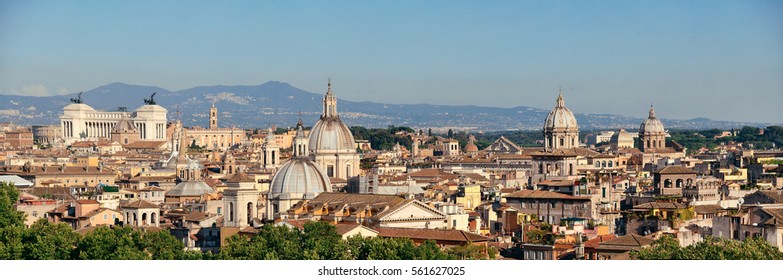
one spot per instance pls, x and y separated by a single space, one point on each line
675 169
660 205
593 243
631 241
86 201
707 209
431 234
139 204
557 183
241 177
145 145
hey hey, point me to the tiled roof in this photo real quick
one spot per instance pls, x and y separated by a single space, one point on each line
777 216
707 209
776 195
86 201
557 183
431 234
139 204
659 205
675 169
539 194
145 145
630 241
241 177
593 243
197 216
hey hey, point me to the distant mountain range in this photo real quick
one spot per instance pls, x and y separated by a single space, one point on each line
278 103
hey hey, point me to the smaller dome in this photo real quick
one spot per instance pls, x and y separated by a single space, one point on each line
651 125
190 188
471 148
125 126
299 178
560 118
622 139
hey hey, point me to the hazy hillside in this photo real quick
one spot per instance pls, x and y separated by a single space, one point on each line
278 103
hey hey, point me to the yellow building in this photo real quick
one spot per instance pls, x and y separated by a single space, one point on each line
470 197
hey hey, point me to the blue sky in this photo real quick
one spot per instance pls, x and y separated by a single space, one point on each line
716 59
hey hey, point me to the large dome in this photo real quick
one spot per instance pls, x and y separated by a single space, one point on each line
330 133
299 178
560 118
651 125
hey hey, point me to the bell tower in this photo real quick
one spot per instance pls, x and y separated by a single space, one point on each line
213 118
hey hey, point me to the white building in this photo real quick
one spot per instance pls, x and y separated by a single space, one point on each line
80 121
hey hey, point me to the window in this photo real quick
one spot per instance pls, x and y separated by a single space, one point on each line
454 223
220 210
561 142
105 216
35 213
330 170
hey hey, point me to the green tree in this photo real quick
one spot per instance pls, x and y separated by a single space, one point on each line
9 217
320 239
469 252
11 244
118 243
49 241
711 248
161 245
11 224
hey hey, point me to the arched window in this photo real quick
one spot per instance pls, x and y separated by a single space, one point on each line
135 221
679 183
570 169
667 183
603 163
610 163
144 219
153 219
540 168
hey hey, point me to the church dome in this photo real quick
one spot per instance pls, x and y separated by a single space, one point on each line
651 125
299 178
125 126
331 134
560 118
190 188
471 148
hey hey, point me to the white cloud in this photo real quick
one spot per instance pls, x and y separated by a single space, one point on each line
63 90
35 90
